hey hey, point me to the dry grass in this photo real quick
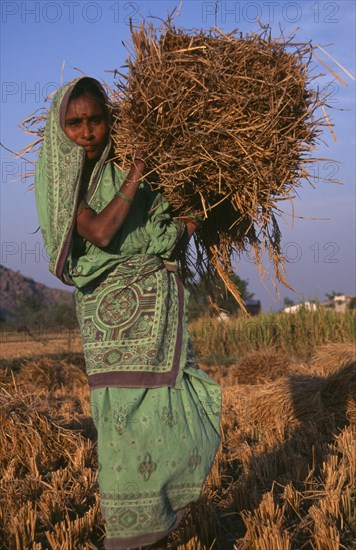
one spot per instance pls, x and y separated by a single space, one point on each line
333 356
228 123
293 335
48 457
296 399
260 367
284 477
16 345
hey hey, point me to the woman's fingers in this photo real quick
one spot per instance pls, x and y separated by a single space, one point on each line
139 155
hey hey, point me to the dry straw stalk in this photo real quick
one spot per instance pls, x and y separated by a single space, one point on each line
228 123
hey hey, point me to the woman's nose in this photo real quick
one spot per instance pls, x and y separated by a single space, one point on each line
87 130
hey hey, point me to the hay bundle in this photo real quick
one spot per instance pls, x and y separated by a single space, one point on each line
227 123
289 401
298 399
258 367
331 357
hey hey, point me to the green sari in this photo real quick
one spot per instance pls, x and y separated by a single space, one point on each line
156 413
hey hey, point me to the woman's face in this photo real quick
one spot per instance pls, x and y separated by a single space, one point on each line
86 124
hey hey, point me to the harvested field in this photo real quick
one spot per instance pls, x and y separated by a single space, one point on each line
283 479
15 344
298 335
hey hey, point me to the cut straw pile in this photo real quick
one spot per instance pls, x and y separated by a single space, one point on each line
227 123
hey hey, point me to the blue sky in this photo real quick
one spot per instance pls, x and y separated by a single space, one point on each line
38 37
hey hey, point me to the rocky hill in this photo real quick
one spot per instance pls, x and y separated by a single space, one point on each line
15 287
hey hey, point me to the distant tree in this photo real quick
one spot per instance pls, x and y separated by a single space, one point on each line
287 302
29 308
64 315
30 311
200 304
352 304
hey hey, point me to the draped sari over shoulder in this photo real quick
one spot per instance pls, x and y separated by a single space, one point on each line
156 413
130 308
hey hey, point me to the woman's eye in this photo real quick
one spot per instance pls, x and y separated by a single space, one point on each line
72 123
96 119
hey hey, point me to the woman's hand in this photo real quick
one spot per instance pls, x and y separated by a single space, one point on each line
192 223
190 227
100 228
139 156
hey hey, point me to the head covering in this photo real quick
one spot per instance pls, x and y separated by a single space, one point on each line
58 174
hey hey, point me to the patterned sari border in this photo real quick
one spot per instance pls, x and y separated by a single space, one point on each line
139 379
132 379
142 540
177 352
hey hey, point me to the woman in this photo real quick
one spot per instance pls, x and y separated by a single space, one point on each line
110 235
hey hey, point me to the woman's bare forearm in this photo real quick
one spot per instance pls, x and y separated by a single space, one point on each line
100 228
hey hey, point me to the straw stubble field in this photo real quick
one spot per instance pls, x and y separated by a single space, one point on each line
283 479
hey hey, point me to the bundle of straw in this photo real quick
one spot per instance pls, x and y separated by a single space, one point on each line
227 124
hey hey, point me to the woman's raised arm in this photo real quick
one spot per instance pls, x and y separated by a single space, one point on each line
100 228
